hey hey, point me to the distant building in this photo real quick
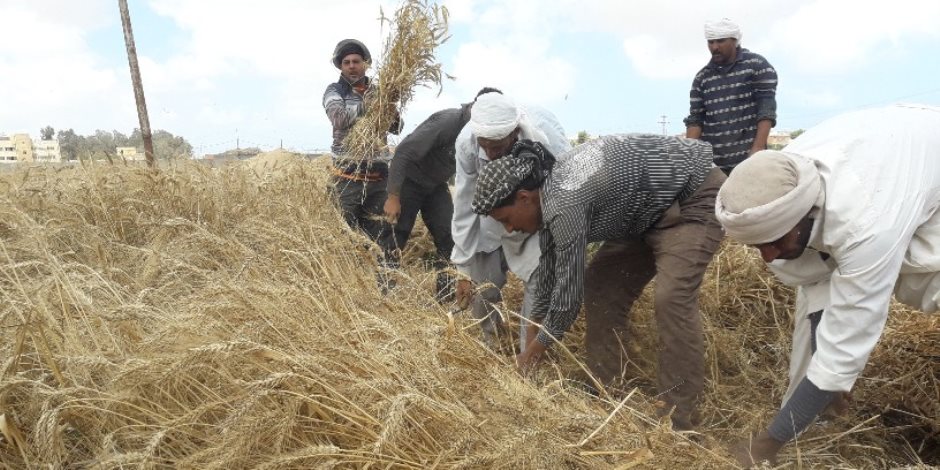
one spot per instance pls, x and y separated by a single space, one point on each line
21 148
47 151
778 139
129 153
7 149
24 147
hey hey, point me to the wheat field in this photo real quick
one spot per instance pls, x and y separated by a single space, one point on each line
200 317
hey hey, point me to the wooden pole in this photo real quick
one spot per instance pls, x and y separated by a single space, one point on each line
138 84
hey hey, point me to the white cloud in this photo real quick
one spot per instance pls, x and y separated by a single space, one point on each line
262 66
56 79
837 36
511 48
533 77
652 59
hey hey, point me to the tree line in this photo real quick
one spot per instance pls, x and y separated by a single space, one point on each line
103 144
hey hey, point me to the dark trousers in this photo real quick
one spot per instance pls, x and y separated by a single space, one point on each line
436 208
676 251
362 204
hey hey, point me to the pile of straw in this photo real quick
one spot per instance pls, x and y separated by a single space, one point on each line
206 318
417 29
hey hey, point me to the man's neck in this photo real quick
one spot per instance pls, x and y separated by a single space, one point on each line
351 83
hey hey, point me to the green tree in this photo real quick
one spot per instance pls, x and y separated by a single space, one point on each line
169 146
797 133
120 140
69 144
103 144
47 133
583 137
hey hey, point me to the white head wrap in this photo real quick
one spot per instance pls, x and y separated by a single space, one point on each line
767 195
494 116
724 28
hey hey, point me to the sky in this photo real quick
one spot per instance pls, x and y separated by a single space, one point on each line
252 72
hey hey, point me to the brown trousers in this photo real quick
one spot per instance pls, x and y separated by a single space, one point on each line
676 251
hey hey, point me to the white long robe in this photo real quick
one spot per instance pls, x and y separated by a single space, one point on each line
880 226
474 233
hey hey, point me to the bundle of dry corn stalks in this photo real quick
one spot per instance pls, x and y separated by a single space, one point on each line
417 29
225 318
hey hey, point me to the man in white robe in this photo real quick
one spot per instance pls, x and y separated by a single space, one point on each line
847 213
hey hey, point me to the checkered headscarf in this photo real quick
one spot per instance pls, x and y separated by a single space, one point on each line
500 178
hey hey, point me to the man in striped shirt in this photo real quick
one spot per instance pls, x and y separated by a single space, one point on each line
650 199
733 102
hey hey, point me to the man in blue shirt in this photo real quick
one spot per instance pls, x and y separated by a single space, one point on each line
732 104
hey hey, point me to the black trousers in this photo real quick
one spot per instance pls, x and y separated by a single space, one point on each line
436 208
362 204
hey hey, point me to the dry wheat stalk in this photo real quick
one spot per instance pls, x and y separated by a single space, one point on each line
417 28
257 338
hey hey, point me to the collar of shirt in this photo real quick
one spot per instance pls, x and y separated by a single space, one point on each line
738 57
346 87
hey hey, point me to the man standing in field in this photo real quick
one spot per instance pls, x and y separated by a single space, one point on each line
849 215
359 180
418 182
483 250
650 199
732 104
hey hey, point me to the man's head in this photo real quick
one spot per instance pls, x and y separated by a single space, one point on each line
494 120
352 58
723 37
508 189
791 245
766 202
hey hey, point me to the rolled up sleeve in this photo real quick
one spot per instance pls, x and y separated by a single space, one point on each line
765 93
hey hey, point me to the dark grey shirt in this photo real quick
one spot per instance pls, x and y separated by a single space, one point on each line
427 156
610 188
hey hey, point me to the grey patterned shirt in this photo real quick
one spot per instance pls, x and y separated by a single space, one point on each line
611 188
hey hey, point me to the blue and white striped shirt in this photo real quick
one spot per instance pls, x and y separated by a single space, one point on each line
727 101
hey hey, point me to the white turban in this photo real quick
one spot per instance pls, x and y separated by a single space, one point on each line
767 195
494 116
724 28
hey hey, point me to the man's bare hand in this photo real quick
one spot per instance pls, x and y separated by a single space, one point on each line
392 208
753 451
464 293
839 406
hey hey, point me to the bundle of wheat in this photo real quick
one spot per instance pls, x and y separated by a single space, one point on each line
417 29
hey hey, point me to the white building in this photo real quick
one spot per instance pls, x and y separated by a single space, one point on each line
7 149
21 148
46 150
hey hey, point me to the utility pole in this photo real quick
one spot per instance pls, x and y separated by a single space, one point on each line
663 121
138 84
